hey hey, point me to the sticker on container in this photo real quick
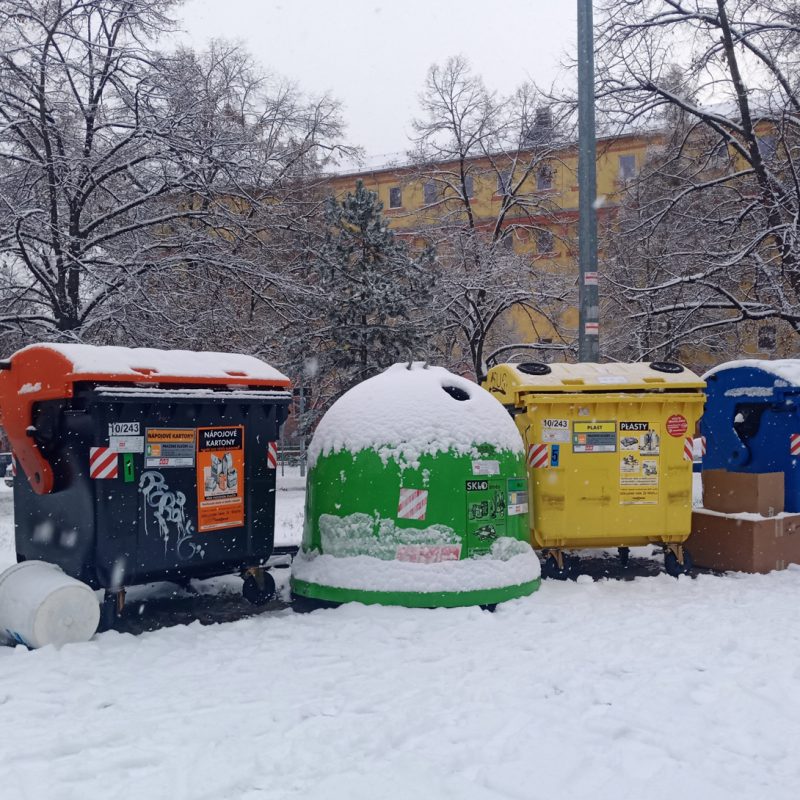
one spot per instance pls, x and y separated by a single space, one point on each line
169 447
220 477
126 444
477 486
428 553
555 430
483 467
124 429
794 444
538 456
413 504
517 497
608 379
103 463
128 471
272 455
677 425
594 437
639 465
486 514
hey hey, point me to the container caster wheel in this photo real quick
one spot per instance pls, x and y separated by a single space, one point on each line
111 609
258 587
555 571
624 554
673 566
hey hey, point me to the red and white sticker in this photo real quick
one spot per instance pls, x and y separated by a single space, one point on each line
688 449
794 444
677 425
428 553
538 456
102 463
272 455
413 504
13 466
703 445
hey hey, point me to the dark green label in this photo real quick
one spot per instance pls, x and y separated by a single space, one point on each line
486 513
128 475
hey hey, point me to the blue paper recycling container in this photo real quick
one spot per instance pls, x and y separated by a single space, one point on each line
752 420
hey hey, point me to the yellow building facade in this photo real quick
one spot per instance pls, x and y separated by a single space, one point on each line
542 219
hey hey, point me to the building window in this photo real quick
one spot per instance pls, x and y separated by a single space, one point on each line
395 197
544 242
504 182
719 152
429 192
469 185
767 145
627 167
767 338
544 177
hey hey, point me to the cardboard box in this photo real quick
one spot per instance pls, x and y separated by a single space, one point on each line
744 542
734 492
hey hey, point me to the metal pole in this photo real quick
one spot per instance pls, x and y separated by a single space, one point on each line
589 332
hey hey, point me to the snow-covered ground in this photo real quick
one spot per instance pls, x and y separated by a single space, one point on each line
651 688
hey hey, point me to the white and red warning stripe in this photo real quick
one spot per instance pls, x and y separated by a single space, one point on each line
102 463
688 448
413 504
272 455
538 456
13 466
794 444
703 445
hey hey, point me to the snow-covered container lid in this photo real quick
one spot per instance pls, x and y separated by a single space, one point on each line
144 362
781 372
405 413
43 372
511 382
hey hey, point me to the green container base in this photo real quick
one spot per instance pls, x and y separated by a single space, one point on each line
475 597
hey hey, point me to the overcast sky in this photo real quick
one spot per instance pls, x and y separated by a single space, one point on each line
373 55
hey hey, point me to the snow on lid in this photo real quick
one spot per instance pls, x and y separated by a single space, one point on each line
136 361
405 413
786 369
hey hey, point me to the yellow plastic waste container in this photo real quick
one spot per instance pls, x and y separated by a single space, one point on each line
609 454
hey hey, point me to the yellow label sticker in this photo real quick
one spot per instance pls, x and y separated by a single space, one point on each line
595 427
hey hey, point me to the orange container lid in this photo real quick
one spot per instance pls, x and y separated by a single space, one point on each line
50 371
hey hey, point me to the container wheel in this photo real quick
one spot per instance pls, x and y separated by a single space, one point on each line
624 554
258 587
551 568
111 609
673 566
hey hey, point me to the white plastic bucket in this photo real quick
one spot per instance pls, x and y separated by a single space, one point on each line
40 605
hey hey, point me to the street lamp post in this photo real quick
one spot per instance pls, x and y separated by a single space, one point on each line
589 321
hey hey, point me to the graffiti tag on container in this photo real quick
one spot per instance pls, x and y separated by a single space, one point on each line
169 510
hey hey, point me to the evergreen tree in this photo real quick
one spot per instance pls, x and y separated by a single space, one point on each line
373 293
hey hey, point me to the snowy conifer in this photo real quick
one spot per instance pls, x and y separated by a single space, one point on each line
372 292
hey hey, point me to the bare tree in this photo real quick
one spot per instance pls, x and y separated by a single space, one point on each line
479 282
706 241
124 170
468 139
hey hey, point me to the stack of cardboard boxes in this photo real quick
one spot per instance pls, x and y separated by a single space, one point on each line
742 525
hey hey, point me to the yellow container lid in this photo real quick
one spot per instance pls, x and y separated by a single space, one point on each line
508 382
